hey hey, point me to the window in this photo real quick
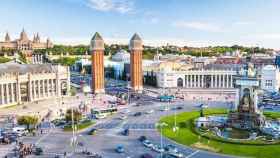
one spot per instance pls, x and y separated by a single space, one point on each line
268 83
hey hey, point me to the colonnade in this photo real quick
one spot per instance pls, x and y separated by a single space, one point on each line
209 81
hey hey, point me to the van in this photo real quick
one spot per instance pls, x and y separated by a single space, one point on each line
20 131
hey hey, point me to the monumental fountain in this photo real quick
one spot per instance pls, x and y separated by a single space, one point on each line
245 121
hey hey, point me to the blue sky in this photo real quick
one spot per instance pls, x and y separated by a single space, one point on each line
181 22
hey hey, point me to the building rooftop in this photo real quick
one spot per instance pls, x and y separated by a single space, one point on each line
25 68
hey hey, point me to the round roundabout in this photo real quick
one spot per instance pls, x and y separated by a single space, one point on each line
228 141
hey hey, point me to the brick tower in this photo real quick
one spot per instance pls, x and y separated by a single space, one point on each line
97 66
136 74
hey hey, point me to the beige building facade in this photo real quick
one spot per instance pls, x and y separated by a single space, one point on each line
21 83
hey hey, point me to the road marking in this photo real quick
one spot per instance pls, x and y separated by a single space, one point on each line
192 154
43 137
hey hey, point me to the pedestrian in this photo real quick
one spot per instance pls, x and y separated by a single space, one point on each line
41 131
64 154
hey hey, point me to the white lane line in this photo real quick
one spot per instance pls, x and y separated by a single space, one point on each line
43 137
192 154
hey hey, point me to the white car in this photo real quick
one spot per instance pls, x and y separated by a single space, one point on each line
150 111
158 148
147 143
164 109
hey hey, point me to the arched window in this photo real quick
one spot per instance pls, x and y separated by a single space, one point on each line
179 82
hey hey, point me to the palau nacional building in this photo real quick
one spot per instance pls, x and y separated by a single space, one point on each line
23 44
20 83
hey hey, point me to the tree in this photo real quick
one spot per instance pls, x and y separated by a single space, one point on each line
4 60
67 61
28 121
22 57
76 113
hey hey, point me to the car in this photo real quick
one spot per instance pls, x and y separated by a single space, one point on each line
150 111
125 111
138 104
119 149
92 131
166 156
147 143
177 108
125 132
146 155
142 138
176 154
123 117
138 114
20 131
158 148
38 151
171 148
164 109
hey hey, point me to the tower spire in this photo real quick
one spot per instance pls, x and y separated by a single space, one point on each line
7 37
23 35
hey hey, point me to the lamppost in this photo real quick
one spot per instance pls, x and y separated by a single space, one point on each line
161 125
128 94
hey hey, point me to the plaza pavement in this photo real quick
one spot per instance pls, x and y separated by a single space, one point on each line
108 136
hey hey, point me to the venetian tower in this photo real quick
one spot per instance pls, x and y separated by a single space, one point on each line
136 74
97 66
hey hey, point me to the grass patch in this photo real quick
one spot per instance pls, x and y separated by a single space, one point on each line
188 136
272 115
11 106
80 126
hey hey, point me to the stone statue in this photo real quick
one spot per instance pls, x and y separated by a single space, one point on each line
246 103
251 70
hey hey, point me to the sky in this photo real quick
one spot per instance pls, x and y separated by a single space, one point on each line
158 22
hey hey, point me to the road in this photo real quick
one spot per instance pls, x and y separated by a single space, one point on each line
109 134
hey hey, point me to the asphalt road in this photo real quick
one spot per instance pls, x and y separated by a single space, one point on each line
108 136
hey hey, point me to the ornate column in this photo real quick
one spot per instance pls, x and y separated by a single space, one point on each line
12 93
57 85
231 81
44 88
187 81
216 81
48 89
220 81
8 93
35 89
199 82
227 81
212 81
52 88
39 89
29 90
2 94
203 80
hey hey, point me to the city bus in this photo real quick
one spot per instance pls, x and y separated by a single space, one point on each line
103 113
165 98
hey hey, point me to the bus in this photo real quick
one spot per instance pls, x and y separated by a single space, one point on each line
166 98
103 113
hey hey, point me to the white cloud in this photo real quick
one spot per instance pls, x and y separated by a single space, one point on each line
242 23
121 6
203 26
270 36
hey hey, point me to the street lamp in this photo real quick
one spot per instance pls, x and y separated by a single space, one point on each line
128 95
161 125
